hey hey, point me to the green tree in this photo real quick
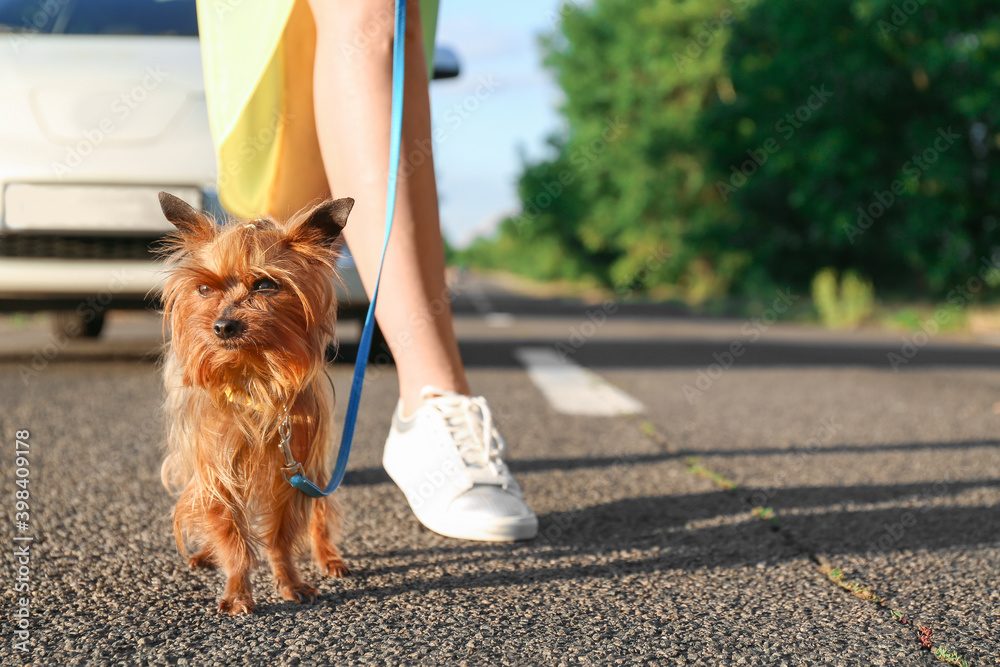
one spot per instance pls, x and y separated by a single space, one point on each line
884 122
628 182
755 142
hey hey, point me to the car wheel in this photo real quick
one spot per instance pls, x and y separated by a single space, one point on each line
74 325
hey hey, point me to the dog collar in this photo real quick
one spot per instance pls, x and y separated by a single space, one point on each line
292 468
231 397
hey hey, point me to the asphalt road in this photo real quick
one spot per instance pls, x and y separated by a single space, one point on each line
791 506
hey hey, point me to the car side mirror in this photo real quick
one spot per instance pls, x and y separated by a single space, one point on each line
445 63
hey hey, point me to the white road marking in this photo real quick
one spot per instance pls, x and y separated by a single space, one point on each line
499 320
572 389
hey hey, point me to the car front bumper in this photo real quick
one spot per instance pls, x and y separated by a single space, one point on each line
31 278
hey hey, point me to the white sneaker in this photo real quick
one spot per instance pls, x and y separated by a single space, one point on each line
446 458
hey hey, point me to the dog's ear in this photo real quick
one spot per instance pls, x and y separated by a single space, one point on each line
185 217
328 218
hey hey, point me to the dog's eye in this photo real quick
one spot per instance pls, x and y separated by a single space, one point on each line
204 290
265 285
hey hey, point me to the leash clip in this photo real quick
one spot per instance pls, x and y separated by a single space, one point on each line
291 467
288 472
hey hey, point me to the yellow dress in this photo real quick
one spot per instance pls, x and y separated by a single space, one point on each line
257 57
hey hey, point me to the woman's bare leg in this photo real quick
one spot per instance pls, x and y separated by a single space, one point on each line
353 91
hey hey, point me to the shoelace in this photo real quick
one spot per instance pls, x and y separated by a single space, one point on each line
477 443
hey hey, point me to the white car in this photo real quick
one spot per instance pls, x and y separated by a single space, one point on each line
102 105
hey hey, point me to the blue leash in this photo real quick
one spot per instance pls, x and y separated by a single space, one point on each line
299 480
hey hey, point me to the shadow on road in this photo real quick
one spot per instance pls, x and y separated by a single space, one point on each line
595 541
709 530
631 353
370 476
696 354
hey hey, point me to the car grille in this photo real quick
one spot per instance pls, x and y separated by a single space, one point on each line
77 247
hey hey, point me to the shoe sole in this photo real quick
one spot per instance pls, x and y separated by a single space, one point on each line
509 530
512 530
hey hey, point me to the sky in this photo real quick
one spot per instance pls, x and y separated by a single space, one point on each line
502 105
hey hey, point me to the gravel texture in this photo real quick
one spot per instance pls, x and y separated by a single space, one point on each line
642 558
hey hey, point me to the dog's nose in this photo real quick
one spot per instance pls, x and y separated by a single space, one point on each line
226 328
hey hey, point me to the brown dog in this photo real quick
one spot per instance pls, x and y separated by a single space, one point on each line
251 309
